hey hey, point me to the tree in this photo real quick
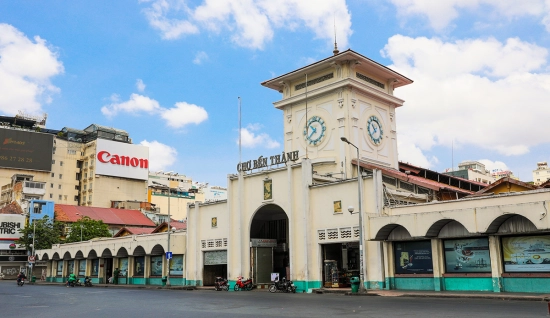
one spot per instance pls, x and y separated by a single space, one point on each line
46 233
86 229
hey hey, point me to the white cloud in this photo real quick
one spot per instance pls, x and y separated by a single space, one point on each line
200 57
482 93
184 114
494 165
26 67
140 85
161 156
251 23
251 139
136 104
440 14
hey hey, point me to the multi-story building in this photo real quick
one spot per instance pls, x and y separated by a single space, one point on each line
541 174
90 167
472 170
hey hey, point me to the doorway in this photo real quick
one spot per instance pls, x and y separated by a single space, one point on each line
269 240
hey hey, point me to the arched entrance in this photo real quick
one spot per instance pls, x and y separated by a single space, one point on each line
269 244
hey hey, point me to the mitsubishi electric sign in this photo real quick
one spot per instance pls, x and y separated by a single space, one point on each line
10 224
123 160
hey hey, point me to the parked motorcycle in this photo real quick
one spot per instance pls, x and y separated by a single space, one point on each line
243 284
221 284
282 285
20 281
78 282
87 282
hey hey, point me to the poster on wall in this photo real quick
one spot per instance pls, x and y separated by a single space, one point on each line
139 266
60 268
413 257
95 267
526 253
70 267
123 267
82 267
467 255
156 265
176 265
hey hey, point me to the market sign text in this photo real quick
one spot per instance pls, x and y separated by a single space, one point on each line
261 162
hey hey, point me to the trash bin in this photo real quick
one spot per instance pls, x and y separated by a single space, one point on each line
33 279
354 285
163 281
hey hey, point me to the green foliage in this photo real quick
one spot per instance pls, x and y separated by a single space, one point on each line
46 234
89 229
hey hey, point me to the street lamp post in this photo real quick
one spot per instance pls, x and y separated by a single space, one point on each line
360 197
169 231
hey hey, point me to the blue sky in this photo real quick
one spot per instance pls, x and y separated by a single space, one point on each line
170 73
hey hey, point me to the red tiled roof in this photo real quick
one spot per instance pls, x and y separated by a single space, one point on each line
12 208
427 183
134 231
173 223
500 181
72 213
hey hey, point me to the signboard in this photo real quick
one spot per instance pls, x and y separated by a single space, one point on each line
526 253
31 259
176 265
123 160
10 224
26 150
168 255
13 258
156 265
215 257
414 257
263 242
467 255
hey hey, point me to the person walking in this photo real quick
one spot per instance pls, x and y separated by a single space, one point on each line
115 276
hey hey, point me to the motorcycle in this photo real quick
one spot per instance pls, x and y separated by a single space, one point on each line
78 282
221 284
20 281
243 285
87 282
282 285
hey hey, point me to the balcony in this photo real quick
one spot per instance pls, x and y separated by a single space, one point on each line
34 188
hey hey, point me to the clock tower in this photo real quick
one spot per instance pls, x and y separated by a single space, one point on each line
345 95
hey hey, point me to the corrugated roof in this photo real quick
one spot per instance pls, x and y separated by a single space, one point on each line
134 231
71 213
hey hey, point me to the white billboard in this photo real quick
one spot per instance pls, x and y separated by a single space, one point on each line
123 160
10 224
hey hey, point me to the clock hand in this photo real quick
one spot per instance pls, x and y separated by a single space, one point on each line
313 130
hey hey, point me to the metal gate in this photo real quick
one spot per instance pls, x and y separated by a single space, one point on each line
262 264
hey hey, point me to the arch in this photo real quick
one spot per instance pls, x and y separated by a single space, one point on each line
55 257
384 233
157 250
434 230
453 229
67 256
106 253
266 213
508 223
79 255
45 257
92 254
139 251
122 252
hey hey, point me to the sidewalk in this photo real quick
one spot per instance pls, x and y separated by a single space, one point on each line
370 292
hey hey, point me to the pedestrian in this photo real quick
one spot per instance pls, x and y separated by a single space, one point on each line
115 276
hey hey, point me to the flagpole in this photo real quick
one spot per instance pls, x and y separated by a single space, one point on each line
307 126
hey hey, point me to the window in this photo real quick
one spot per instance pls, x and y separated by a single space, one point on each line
60 197
53 161
59 187
85 175
139 266
51 185
85 187
76 187
60 176
86 164
65 197
53 174
51 195
76 198
90 199
91 185
61 163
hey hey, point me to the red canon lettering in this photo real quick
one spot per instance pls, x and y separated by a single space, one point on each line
105 157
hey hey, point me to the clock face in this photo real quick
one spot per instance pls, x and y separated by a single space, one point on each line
374 127
315 129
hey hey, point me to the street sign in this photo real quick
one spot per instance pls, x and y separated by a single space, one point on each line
168 255
31 259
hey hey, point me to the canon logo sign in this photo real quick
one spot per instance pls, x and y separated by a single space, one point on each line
106 157
119 159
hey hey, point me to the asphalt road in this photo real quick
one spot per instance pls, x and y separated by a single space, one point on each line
58 301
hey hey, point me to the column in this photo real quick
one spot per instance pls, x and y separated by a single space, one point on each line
495 251
438 264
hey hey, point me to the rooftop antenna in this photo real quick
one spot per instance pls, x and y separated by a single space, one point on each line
335 51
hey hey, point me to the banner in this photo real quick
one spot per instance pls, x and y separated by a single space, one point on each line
156 265
82 267
176 265
413 257
123 267
526 253
467 256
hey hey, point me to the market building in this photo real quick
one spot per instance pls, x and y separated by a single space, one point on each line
296 213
